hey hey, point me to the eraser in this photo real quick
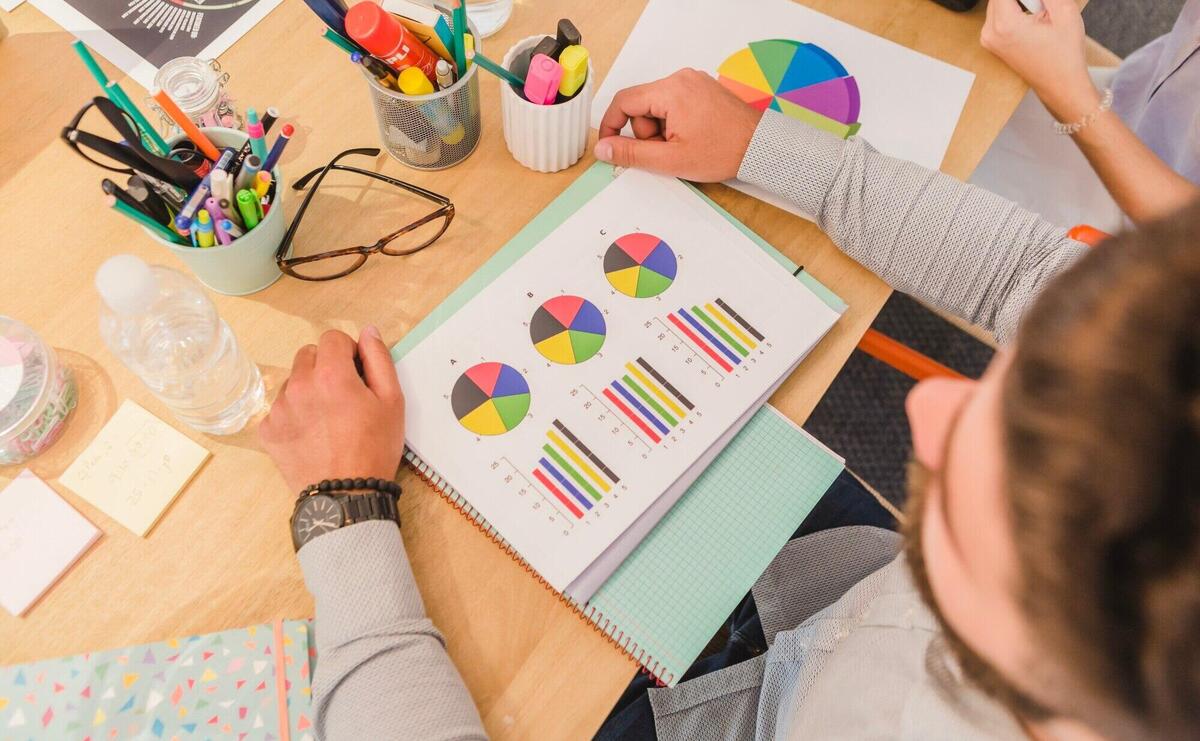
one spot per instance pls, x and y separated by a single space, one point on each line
574 62
541 83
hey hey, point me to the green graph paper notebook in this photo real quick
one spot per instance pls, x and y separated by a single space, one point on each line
670 595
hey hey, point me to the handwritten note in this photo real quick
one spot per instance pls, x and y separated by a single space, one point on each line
40 537
135 467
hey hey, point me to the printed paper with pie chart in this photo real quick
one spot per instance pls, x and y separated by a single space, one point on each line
579 384
800 80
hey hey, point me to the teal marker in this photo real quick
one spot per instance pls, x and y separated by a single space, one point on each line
498 70
158 229
147 130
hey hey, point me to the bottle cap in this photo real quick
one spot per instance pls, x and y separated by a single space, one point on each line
373 28
126 284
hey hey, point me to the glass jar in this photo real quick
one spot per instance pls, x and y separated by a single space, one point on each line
198 87
37 393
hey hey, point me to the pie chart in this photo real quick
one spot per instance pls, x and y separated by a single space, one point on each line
567 330
490 398
799 80
640 265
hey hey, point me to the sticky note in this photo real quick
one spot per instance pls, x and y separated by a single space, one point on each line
135 467
40 537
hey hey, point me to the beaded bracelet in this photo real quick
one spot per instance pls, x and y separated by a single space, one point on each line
383 486
1074 128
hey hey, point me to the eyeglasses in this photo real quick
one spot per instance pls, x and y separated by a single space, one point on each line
327 265
128 155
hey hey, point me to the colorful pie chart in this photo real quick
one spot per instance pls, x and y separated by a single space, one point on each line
800 80
640 265
567 330
490 398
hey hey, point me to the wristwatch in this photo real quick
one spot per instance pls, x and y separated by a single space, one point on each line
319 511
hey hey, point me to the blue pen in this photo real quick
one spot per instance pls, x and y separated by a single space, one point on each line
277 150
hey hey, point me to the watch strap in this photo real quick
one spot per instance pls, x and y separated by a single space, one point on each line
368 506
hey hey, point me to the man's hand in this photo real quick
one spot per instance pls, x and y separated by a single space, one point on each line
687 125
328 422
1047 50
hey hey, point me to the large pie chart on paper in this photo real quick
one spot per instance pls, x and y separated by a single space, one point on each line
640 265
567 329
799 80
490 398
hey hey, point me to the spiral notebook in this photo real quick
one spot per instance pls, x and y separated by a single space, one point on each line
731 517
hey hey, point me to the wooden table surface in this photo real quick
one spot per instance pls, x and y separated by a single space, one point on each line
221 557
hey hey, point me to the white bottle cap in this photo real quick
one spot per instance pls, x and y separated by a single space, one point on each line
126 284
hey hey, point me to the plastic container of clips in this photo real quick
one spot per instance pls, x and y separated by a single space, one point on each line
37 393
434 131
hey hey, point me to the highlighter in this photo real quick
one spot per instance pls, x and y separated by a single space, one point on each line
254 128
541 83
250 208
574 61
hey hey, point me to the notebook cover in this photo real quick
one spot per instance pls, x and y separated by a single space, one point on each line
217 685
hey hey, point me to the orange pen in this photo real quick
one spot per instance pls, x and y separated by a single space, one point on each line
189 129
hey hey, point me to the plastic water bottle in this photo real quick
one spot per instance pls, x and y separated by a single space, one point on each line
160 323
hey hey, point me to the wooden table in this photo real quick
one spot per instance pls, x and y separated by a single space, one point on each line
221 557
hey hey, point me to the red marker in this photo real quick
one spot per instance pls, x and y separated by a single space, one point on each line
378 31
280 142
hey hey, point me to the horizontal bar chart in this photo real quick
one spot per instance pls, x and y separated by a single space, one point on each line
571 472
647 400
717 332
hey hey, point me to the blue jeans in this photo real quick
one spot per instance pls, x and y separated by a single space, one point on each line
846 503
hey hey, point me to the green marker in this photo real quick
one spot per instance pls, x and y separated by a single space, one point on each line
498 70
144 127
118 96
141 218
249 207
337 39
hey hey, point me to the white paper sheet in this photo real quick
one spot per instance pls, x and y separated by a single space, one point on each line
9 5
139 36
715 260
910 103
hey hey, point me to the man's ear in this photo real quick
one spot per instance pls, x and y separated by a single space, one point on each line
932 406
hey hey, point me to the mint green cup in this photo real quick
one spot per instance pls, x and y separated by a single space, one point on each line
247 265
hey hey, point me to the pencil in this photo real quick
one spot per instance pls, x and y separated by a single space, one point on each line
189 129
498 70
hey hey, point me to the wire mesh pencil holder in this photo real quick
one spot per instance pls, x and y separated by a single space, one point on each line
430 132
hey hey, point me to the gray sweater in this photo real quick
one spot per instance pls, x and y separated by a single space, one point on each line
383 672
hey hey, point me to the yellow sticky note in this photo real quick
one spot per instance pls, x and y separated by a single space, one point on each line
135 467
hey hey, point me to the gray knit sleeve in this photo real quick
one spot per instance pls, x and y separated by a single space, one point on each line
954 246
382 669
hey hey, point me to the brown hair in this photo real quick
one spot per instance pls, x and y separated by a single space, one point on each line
1101 415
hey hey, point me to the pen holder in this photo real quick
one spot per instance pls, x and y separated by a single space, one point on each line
545 138
247 265
430 132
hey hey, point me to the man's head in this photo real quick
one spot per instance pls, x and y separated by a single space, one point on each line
1056 531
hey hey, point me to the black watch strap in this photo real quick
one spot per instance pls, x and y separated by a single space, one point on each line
368 506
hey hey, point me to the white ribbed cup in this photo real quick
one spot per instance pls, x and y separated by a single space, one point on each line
545 138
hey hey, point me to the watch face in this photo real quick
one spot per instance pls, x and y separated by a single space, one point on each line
316 515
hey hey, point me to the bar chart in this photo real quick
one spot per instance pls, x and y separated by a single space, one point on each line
575 476
644 398
717 333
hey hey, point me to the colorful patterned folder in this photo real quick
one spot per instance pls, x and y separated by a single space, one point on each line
246 683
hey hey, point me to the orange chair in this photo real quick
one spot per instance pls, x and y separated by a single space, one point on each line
918 366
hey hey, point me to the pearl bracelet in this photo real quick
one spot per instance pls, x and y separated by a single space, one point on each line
1074 128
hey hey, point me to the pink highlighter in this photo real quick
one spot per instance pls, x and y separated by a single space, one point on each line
542 80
